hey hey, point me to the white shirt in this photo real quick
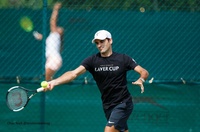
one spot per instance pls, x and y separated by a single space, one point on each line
53 44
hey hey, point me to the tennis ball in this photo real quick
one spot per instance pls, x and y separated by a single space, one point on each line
44 84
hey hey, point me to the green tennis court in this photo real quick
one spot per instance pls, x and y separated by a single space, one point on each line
77 107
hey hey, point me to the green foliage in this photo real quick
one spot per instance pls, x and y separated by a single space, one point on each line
148 5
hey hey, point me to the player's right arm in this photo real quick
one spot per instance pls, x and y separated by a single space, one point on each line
66 77
54 17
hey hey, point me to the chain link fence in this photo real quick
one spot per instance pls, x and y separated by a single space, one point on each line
161 35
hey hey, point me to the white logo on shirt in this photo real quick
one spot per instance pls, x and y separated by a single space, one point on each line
133 60
111 122
106 68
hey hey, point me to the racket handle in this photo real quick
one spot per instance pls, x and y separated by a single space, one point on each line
40 89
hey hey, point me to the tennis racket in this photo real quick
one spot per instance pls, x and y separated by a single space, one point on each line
18 97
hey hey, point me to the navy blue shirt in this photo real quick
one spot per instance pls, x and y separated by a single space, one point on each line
110 76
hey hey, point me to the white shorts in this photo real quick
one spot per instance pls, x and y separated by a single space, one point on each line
53 62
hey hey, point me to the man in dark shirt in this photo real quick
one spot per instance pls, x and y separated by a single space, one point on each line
109 70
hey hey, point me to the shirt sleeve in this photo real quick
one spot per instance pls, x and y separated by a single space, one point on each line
87 63
130 62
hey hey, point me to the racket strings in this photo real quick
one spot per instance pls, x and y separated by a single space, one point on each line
17 98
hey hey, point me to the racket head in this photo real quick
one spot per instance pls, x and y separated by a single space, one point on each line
26 24
17 98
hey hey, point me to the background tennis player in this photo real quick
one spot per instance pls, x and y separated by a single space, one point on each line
54 44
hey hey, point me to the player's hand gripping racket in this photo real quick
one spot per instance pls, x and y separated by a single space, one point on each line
18 97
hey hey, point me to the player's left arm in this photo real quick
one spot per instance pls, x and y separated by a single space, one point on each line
143 76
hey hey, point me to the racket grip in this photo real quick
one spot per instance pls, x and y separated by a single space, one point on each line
40 89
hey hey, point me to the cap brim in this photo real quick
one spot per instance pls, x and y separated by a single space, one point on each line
93 41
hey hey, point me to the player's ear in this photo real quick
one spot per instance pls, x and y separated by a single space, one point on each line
110 40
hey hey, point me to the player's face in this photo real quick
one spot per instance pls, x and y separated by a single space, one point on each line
104 46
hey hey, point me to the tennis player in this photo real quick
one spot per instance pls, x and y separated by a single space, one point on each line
109 70
54 43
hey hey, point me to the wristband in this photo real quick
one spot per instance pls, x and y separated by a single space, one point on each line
142 79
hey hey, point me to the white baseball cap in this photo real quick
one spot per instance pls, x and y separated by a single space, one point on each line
101 35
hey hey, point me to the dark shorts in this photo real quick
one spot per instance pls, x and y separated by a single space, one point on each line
119 115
